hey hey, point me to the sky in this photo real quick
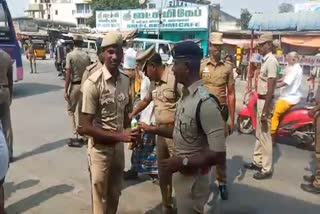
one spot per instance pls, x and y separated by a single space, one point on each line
232 7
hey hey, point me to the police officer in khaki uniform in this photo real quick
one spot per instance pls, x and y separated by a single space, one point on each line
198 133
6 84
32 57
313 185
164 94
76 63
105 100
218 78
262 157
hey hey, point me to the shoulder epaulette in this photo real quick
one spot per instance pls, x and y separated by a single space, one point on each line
95 76
91 67
203 93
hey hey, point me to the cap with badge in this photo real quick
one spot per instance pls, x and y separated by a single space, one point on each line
266 37
216 38
112 39
186 50
144 57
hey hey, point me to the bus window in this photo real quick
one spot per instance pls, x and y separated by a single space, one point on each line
8 41
4 26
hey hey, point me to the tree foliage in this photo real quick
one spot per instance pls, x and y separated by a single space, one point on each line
286 8
245 17
111 5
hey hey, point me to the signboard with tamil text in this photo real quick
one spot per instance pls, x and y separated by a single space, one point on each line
191 18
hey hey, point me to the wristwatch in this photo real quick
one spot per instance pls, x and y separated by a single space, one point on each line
185 161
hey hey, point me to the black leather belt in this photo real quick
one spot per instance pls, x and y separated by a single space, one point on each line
4 86
76 83
263 96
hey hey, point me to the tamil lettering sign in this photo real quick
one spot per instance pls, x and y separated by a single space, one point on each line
153 19
304 60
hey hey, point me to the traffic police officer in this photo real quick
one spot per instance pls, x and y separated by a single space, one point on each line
32 57
218 78
76 63
105 100
6 84
262 157
164 94
198 133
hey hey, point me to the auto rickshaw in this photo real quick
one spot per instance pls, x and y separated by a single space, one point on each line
39 47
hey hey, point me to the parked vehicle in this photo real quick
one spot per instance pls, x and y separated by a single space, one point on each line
39 47
296 122
163 47
90 47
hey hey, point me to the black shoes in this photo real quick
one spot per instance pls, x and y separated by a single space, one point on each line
310 188
130 175
252 166
224 192
262 175
309 179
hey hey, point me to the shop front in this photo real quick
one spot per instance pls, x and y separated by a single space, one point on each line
174 24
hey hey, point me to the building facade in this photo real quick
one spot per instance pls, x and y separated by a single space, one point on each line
74 11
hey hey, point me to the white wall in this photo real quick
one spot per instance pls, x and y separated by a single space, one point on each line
66 12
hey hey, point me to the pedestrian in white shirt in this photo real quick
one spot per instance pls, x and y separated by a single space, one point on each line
4 163
290 93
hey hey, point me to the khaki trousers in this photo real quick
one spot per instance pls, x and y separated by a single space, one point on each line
106 165
165 150
74 106
262 156
316 182
192 192
5 118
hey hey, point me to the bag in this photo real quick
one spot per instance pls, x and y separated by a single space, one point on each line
224 111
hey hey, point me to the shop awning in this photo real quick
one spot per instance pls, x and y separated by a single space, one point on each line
306 41
239 42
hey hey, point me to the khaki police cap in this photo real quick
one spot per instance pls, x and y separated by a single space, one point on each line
266 37
147 54
216 38
111 39
77 38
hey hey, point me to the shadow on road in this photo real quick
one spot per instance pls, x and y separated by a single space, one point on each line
11 187
38 198
30 89
42 149
250 200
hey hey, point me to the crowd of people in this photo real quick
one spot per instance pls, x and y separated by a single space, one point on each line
175 117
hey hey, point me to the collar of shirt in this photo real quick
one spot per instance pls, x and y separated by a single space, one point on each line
165 74
266 56
107 75
192 88
77 49
215 64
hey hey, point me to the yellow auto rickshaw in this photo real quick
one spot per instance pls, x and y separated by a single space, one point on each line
39 47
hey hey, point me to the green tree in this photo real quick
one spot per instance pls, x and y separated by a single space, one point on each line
286 8
244 20
112 5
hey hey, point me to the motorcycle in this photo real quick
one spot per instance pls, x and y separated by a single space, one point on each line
295 122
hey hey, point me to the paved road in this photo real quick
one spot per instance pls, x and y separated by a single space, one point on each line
49 177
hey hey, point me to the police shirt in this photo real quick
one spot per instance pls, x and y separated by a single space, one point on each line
188 137
106 97
77 61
